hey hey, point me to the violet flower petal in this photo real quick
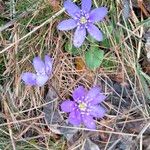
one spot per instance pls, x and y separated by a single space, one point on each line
79 93
92 93
39 65
88 121
98 99
79 36
75 118
67 106
29 78
95 32
71 8
97 111
48 64
41 79
86 5
98 14
67 24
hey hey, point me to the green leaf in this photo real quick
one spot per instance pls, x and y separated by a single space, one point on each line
94 58
71 49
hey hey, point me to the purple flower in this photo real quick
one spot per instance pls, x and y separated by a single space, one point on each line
85 106
83 19
43 71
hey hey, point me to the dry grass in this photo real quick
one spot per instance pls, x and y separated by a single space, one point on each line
22 121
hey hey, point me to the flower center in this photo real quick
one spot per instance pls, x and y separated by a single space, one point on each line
83 20
82 106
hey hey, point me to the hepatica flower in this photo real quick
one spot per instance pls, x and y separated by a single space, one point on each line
85 106
43 71
83 19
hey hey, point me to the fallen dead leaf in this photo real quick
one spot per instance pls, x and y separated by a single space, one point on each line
80 65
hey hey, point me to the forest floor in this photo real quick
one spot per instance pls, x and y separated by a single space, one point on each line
30 117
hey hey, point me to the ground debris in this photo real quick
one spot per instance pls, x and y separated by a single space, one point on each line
89 145
52 114
2 8
134 127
